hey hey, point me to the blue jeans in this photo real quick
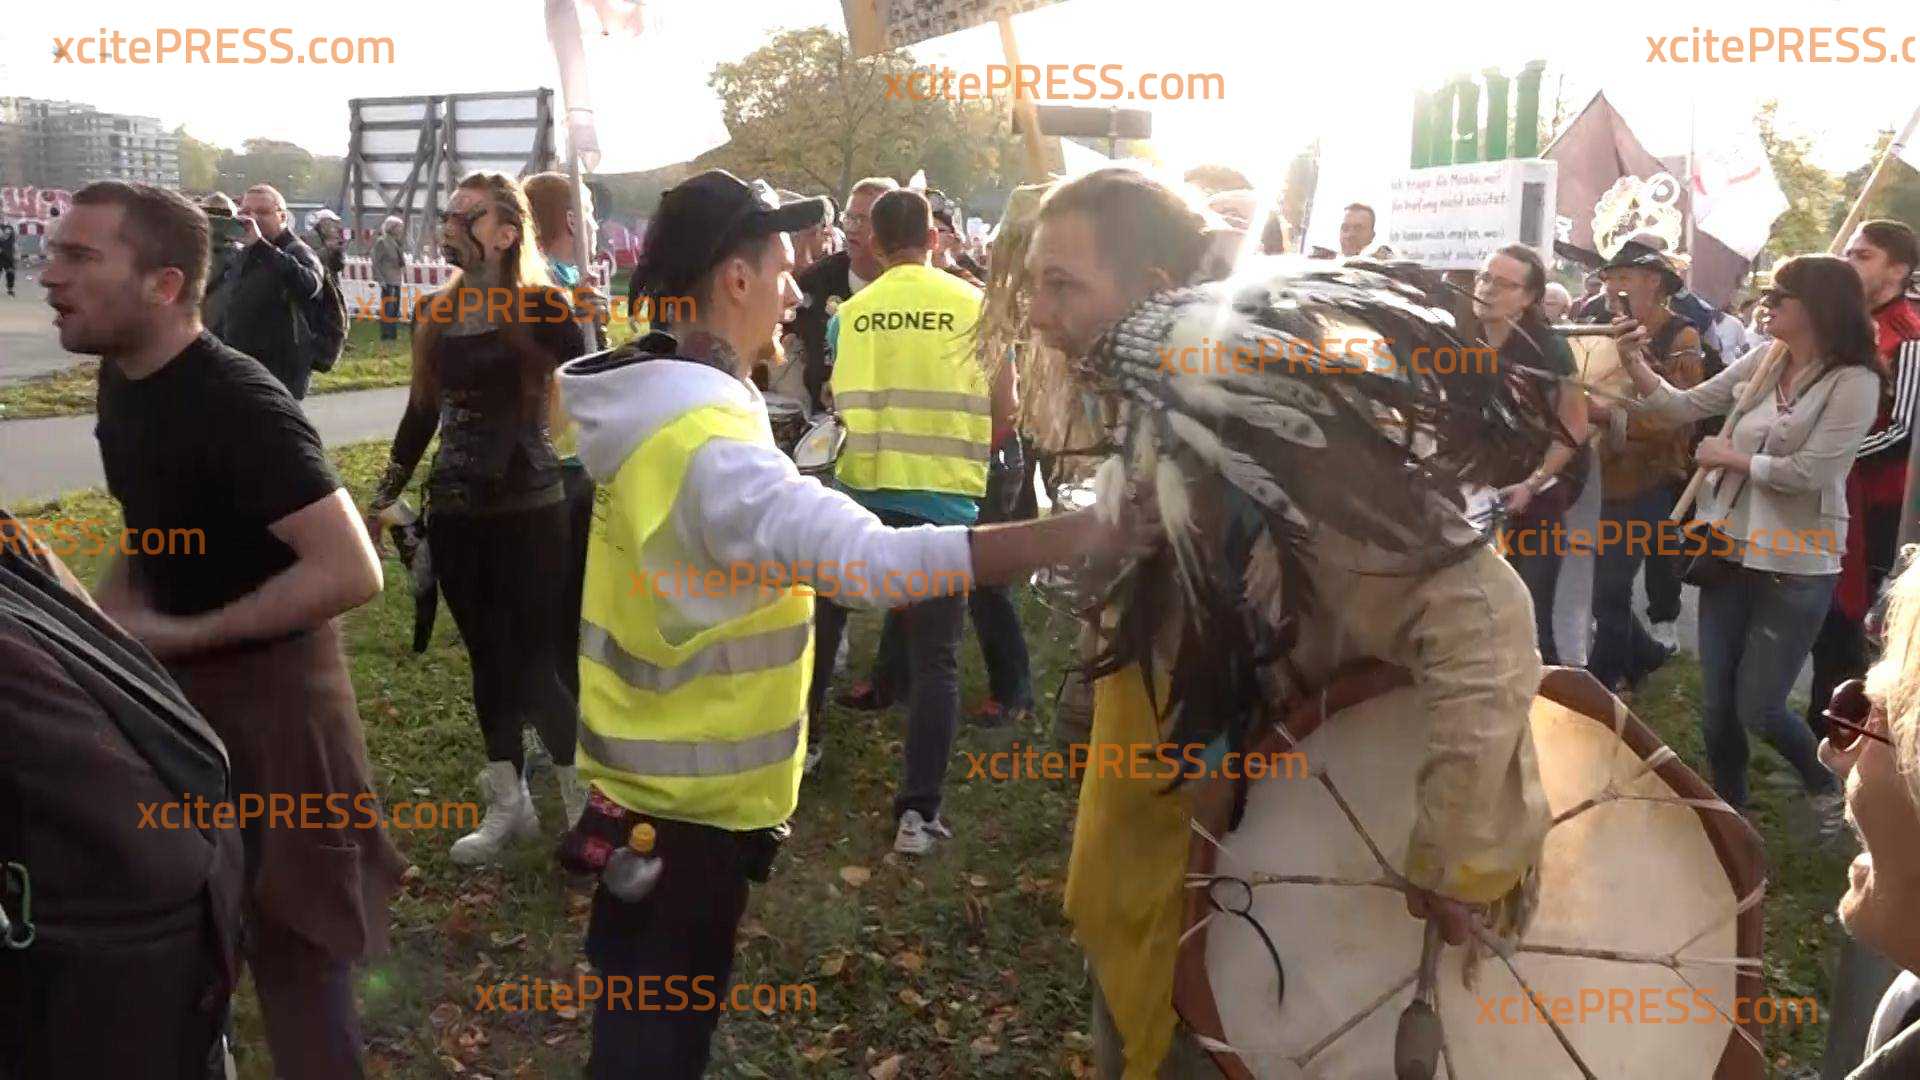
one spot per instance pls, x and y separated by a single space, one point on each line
931 632
1755 633
1623 650
389 312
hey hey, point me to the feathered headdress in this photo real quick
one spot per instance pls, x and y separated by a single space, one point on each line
1291 398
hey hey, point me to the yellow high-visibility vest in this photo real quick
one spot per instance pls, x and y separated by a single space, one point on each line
710 729
905 382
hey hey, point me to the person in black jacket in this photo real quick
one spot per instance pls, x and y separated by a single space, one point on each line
102 746
832 280
267 290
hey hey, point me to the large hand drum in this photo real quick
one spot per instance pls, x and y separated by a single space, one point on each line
1597 365
1648 926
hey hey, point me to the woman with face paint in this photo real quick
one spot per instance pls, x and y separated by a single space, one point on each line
484 351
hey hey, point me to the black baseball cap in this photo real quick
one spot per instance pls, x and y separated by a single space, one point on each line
703 217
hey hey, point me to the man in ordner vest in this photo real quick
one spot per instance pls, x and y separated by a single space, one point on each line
696 629
920 421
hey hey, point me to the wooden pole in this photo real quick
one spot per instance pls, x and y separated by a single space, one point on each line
1022 104
1770 365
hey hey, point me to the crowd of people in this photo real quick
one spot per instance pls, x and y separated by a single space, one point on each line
679 724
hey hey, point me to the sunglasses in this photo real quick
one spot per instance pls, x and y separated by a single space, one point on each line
1848 714
467 218
1772 297
1486 278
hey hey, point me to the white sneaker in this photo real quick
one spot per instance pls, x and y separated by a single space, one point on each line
916 834
1830 807
534 751
510 816
573 793
1666 634
812 761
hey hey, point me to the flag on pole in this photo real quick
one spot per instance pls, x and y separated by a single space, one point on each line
1735 194
563 31
1078 159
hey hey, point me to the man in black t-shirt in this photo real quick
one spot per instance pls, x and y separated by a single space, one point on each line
258 549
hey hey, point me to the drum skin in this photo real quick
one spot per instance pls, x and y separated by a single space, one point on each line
1626 875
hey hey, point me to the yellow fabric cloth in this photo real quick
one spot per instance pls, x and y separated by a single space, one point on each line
1125 875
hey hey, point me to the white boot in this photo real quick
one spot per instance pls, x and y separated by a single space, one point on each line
573 793
509 816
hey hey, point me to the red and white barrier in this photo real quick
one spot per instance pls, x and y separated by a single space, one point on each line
419 279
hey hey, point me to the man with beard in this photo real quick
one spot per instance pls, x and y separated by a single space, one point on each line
1453 614
195 436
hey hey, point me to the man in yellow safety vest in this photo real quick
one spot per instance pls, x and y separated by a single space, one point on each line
696 636
920 421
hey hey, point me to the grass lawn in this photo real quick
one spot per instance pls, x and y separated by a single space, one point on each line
957 966
367 363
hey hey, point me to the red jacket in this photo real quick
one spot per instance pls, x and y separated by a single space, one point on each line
1877 486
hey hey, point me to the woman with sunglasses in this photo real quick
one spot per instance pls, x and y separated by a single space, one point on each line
1776 489
1507 294
484 354
1873 741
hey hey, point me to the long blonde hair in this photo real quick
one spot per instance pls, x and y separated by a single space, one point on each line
1894 682
525 267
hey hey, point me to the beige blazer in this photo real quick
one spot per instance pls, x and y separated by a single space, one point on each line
1790 512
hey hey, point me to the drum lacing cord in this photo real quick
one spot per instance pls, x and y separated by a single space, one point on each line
1245 912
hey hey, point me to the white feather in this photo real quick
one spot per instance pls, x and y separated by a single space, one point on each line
1109 489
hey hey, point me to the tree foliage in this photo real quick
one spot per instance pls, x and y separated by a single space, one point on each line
199 163
299 175
804 114
1897 198
1812 192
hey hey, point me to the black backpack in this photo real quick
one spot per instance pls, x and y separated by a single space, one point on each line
322 324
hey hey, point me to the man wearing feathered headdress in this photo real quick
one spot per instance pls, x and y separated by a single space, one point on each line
1303 530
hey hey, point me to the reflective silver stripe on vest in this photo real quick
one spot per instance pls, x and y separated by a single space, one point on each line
657 757
738 656
874 442
950 400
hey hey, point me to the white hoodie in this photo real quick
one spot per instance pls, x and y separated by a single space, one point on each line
745 505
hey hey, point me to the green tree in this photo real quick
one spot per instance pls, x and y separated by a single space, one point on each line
804 114
266 161
1897 198
199 164
1812 192
323 184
